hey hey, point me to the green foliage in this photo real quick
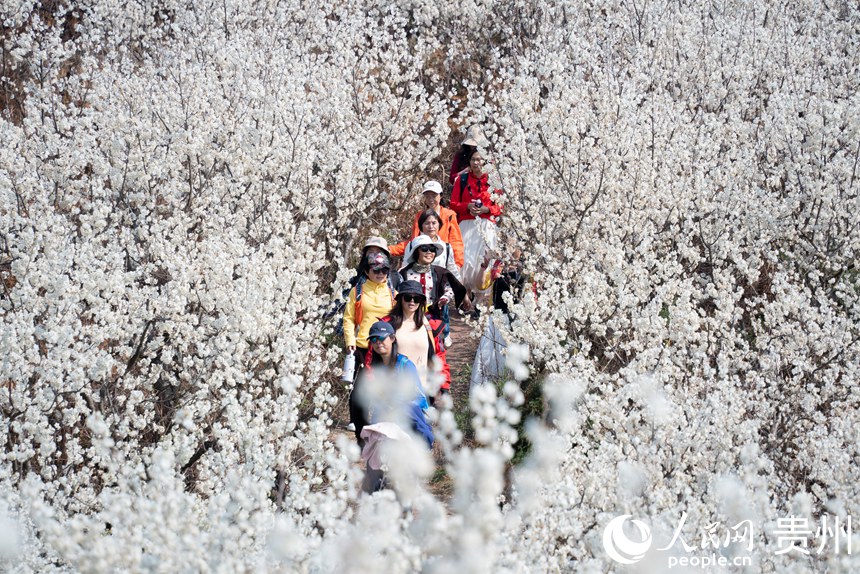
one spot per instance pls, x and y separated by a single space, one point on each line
439 475
533 407
664 312
462 412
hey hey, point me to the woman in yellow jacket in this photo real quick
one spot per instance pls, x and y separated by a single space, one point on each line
371 299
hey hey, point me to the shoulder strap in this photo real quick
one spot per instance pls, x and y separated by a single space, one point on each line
431 335
358 311
358 287
429 329
390 289
464 182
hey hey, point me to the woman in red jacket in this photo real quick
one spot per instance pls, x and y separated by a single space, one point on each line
460 163
471 196
477 213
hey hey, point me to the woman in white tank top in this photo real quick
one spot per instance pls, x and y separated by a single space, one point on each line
418 337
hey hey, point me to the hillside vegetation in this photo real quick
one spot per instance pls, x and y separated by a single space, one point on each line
184 187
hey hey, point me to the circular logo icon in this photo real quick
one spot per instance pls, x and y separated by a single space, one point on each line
619 547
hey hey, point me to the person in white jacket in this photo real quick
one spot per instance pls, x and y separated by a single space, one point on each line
441 285
429 223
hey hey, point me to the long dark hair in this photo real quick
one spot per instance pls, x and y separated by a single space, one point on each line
427 214
398 313
464 155
376 358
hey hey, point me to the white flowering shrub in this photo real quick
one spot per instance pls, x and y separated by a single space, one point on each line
182 184
178 187
684 179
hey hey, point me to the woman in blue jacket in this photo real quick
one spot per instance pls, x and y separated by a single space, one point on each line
383 404
390 392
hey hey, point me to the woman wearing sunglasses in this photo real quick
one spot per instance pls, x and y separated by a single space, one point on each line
438 285
373 246
419 337
388 390
430 223
371 299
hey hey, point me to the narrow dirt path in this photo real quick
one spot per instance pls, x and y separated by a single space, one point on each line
460 357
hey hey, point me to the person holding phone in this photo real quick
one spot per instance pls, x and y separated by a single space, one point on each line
477 213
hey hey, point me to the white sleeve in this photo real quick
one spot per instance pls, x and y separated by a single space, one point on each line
450 264
407 253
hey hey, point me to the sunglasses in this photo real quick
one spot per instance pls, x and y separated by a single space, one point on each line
384 270
412 298
427 249
376 339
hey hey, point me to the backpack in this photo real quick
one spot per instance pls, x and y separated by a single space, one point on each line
464 181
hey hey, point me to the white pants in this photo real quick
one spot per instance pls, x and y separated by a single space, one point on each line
479 236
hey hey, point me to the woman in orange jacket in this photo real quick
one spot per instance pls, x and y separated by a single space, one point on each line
448 231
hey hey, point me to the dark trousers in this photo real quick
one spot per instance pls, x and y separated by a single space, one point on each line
358 412
373 480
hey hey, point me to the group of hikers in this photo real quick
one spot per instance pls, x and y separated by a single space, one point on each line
396 321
